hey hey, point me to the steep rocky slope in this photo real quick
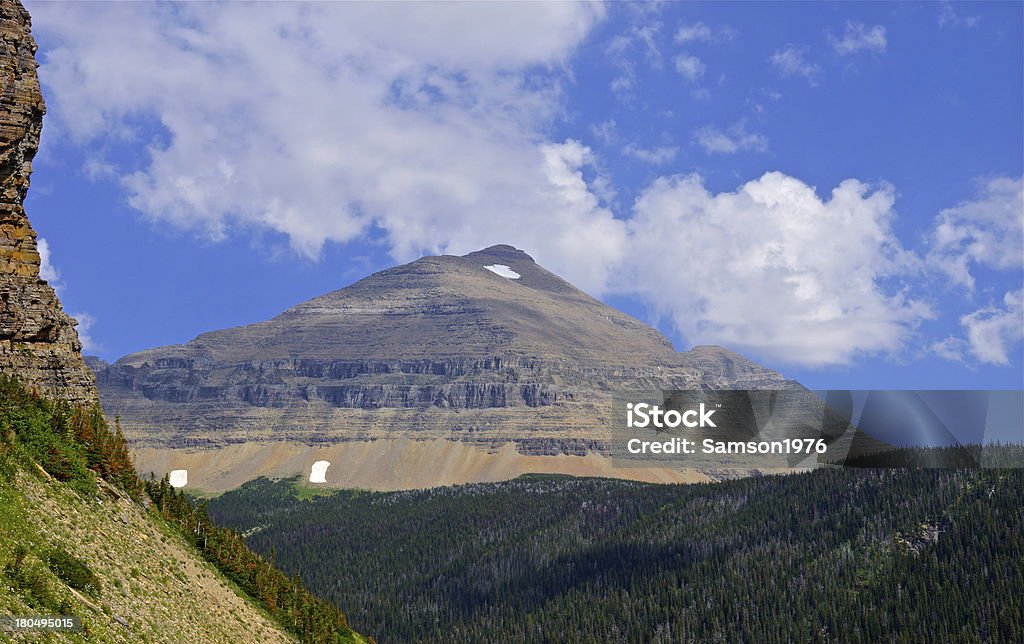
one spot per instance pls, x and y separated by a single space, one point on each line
151 586
447 369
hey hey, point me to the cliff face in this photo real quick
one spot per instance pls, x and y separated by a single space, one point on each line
38 341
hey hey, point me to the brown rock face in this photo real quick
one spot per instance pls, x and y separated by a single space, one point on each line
38 341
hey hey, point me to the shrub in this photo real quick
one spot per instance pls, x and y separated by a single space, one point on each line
73 571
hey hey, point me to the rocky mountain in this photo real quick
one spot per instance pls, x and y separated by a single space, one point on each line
38 341
446 369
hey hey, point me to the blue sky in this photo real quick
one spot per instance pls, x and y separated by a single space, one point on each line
832 189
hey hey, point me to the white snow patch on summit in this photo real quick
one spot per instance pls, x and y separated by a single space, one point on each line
504 271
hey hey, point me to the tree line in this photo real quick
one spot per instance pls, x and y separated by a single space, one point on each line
850 555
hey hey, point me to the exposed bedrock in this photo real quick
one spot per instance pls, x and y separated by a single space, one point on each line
38 341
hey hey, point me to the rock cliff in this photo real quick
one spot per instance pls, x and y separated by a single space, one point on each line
38 341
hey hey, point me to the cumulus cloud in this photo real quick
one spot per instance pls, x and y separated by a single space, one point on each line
700 32
733 139
992 332
655 156
985 231
773 269
691 67
324 121
429 125
859 37
792 61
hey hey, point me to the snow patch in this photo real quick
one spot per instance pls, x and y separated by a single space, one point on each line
178 478
319 472
504 271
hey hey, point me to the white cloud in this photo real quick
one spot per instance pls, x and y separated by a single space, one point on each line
96 168
620 50
859 37
734 139
773 269
655 156
791 61
645 37
985 231
951 349
47 270
324 121
690 67
700 32
85 325
991 333
648 35
430 123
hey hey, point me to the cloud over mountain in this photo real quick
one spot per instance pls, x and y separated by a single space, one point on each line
325 121
774 269
445 128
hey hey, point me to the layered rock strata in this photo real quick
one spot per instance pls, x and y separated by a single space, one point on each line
38 341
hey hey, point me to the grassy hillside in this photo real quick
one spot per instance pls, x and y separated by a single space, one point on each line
81 535
831 555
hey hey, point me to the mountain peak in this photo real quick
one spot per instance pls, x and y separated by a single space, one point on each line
500 252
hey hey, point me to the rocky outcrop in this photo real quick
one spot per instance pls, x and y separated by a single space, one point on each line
38 341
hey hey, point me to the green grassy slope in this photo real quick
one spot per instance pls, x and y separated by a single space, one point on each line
73 543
